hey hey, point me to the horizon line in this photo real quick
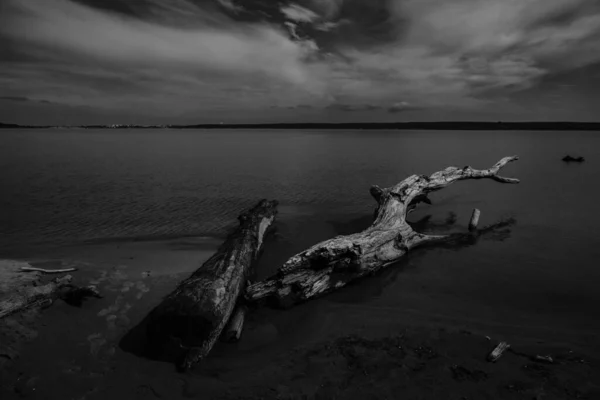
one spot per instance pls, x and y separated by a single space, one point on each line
301 124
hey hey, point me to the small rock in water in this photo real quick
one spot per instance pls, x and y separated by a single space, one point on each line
569 158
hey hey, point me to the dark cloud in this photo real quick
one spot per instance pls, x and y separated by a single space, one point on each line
567 14
23 99
353 107
14 98
402 107
132 8
369 23
293 107
397 107
176 57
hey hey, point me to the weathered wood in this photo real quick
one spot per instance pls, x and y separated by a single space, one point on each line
21 288
196 312
234 328
48 271
335 262
498 351
474 221
32 296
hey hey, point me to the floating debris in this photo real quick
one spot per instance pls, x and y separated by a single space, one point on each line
498 351
544 359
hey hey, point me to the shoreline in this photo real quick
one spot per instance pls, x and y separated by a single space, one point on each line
326 348
437 125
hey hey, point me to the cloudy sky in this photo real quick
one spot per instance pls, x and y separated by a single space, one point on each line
207 61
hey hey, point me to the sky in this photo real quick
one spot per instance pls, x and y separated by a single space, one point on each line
71 62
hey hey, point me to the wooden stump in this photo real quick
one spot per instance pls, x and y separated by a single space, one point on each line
474 219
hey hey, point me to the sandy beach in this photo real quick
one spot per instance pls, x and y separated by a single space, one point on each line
325 349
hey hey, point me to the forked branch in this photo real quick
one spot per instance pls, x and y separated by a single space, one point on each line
335 262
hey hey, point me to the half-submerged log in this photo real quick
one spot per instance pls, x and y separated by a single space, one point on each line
335 262
196 312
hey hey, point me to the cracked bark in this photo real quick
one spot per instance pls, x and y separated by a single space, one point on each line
334 263
196 312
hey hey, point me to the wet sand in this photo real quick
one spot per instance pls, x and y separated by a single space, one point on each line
334 347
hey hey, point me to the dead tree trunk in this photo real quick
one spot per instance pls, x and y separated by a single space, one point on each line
333 263
27 297
195 314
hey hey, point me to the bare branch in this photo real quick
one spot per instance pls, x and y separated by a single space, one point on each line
415 186
333 263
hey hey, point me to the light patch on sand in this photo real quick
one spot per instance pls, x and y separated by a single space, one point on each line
120 319
142 289
96 342
112 308
114 278
11 276
126 286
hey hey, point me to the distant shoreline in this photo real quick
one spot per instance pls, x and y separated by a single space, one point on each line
441 125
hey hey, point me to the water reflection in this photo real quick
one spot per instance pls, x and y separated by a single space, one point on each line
425 224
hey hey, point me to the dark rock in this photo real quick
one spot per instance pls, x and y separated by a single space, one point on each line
569 158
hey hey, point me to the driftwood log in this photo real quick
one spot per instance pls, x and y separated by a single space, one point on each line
48 271
22 290
196 312
336 262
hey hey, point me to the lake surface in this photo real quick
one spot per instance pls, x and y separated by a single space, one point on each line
65 188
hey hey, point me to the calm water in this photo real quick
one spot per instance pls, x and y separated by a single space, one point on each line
64 187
